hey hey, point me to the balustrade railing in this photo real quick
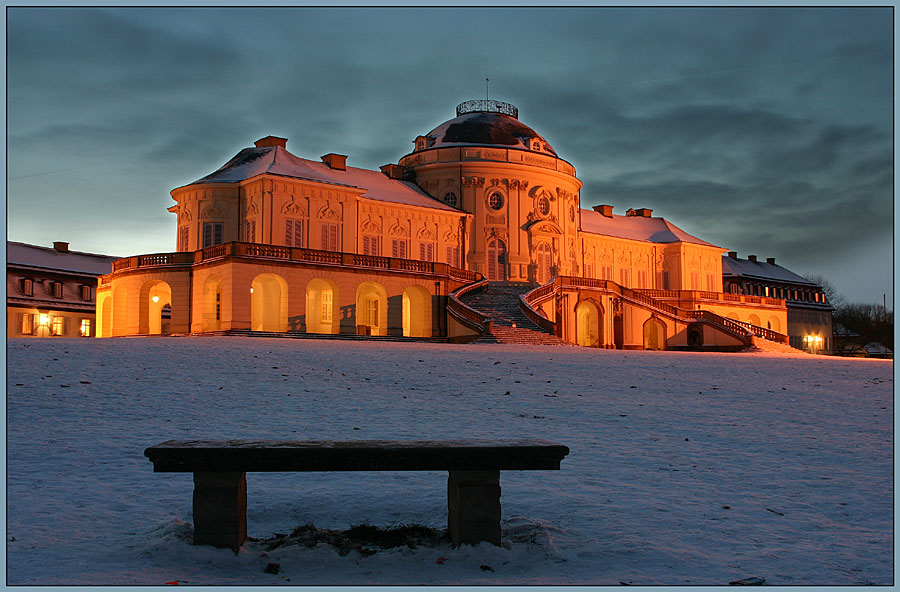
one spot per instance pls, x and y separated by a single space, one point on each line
763 332
466 315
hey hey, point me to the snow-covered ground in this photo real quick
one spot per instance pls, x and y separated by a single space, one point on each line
684 468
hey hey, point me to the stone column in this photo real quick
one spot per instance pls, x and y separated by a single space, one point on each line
220 509
473 503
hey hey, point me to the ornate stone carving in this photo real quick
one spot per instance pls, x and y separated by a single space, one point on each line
370 226
425 234
212 212
398 230
185 214
293 209
327 213
472 181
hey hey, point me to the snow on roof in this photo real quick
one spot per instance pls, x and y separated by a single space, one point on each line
50 258
276 160
761 270
654 230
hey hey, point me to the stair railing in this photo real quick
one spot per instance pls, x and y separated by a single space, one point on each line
466 315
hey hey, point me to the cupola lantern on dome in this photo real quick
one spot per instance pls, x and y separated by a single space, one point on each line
487 106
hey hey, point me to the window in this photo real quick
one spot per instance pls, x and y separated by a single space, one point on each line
56 289
588 270
453 256
27 326
250 231
86 293
495 201
57 325
85 329
663 283
371 313
183 238
399 248
371 245
218 306
695 280
326 306
28 287
642 278
606 272
212 234
734 289
426 251
543 206
293 233
625 277
329 237
710 282
450 199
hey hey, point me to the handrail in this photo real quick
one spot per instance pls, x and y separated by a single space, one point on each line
467 315
763 332
535 316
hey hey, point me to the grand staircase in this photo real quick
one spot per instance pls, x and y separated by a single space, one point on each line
500 302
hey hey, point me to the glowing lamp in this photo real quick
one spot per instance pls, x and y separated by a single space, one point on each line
155 299
45 319
251 290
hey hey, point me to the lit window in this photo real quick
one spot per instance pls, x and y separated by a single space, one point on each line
57 325
56 289
212 234
27 327
293 233
85 329
28 287
450 199
495 201
371 312
326 306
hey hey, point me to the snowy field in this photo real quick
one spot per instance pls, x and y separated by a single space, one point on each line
684 468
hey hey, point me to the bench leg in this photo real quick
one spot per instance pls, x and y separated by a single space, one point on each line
220 509
473 504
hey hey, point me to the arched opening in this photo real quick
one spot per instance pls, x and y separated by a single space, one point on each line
211 306
654 335
496 264
104 315
734 316
753 320
618 332
588 324
371 309
158 299
695 337
774 324
544 261
322 315
268 303
416 312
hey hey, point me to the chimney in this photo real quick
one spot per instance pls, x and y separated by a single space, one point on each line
751 258
393 171
770 260
604 210
61 246
732 254
270 141
643 212
337 162
630 212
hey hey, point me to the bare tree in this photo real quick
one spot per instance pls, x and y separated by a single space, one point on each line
832 296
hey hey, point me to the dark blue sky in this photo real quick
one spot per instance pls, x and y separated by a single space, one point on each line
766 131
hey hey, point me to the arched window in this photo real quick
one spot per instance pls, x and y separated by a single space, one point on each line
450 199
496 264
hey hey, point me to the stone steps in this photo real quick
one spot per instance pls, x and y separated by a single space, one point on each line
500 302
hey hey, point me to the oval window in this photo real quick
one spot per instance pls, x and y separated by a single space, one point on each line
495 201
450 199
544 206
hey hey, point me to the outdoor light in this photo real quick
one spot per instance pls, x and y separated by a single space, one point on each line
45 319
155 299
251 290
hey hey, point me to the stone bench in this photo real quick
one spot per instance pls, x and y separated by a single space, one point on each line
473 486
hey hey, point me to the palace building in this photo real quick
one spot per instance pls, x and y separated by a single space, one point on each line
477 233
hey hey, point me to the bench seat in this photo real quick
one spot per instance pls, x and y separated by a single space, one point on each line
473 486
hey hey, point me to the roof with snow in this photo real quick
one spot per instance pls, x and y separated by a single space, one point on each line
486 129
276 160
23 254
760 270
639 228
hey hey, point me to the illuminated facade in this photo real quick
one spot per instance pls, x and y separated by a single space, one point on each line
50 292
274 242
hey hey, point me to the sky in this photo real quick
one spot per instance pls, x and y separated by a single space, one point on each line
766 131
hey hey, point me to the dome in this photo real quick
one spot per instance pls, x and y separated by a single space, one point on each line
487 123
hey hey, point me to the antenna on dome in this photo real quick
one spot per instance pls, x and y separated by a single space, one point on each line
487 96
